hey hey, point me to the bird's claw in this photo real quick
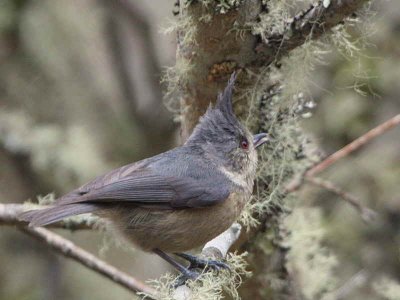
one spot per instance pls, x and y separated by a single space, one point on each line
199 263
186 275
215 265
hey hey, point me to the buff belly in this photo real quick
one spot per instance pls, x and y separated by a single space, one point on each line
177 230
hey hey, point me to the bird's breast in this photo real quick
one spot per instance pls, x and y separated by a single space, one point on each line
178 230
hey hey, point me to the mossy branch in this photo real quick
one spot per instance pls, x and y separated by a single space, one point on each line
311 24
70 250
9 216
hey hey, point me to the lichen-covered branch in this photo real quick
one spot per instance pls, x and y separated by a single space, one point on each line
308 25
9 216
70 250
216 44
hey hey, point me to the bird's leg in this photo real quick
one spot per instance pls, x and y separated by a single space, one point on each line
186 273
196 262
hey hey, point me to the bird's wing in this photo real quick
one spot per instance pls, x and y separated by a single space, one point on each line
145 187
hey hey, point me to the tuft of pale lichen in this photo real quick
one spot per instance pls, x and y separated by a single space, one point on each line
388 288
274 19
178 75
310 263
299 67
288 152
353 48
47 199
208 285
218 6
175 77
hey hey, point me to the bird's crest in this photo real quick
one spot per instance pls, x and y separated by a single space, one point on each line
224 101
218 120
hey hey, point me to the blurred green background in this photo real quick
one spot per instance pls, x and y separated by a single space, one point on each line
80 94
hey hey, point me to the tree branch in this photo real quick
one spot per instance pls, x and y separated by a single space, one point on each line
354 145
343 152
70 250
308 25
368 215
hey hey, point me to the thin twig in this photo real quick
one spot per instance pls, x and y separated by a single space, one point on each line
9 216
297 182
70 250
368 215
353 146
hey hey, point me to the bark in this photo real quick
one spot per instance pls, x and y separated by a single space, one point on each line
215 53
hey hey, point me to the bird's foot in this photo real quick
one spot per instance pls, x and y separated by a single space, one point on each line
186 275
206 264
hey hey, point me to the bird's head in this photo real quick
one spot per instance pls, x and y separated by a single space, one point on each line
225 141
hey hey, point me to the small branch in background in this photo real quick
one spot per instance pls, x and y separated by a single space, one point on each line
356 281
70 250
296 183
214 249
354 145
9 216
368 215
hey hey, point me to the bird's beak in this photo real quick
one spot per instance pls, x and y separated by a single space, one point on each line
259 139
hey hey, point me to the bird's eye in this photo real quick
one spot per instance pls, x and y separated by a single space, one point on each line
244 144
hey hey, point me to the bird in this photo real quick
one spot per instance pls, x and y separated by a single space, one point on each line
178 200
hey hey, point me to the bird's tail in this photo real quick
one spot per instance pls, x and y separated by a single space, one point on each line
56 213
